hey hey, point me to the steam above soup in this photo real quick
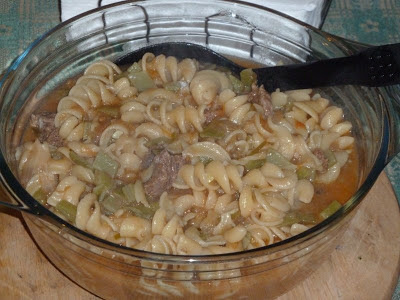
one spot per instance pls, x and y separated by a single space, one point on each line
184 158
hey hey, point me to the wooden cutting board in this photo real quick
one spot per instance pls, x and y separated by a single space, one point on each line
364 265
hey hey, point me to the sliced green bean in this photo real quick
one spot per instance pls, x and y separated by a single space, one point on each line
87 133
331 158
218 128
79 160
237 84
307 173
40 196
274 157
258 148
142 211
129 192
254 164
159 142
141 80
134 68
248 77
103 162
330 209
112 203
205 160
67 209
173 86
294 217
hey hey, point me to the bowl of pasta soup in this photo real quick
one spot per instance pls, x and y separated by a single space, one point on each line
173 177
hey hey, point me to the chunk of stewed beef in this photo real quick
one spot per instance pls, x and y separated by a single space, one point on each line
147 160
319 153
43 124
212 112
260 96
166 168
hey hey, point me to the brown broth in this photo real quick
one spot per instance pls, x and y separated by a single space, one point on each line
340 190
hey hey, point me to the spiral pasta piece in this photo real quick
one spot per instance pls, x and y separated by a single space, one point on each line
169 69
69 189
215 175
88 217
271 178
184 118
103 68
89 92
237 108
207 84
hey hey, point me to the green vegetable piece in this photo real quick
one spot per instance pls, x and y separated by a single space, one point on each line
87 132
254 164
103 162
248 77
119 193
129 192
294 217
79 160
218 128
112 203
173 86
56 155
237 85
258 148
246 240
134 68
274 157
236 216
141 80
142 211
204 235
102 178
288 106
331 158
67 209
119 76
212 132
330 210
307 173
40 196
205 160
99 189
158 143
109 110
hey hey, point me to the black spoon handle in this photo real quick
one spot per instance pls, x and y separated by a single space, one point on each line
375 66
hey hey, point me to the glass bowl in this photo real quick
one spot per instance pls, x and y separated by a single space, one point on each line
241 30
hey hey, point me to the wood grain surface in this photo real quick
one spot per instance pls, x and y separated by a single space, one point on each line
364 265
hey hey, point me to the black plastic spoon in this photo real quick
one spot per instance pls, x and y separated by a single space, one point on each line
374 66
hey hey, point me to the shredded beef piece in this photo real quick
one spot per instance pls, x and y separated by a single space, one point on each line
147 160
43 123
260 96
211 113
322 158
178 192
166 168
